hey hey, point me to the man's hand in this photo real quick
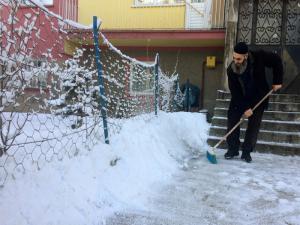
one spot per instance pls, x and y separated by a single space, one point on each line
248 113
276 87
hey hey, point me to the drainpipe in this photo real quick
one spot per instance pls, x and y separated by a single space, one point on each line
202 91
202 84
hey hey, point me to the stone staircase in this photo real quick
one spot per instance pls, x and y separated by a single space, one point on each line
280 127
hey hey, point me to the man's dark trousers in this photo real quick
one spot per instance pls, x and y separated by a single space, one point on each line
254 121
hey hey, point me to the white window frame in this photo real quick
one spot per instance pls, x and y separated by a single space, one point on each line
146 92
143 3
44 2
197 1
40 79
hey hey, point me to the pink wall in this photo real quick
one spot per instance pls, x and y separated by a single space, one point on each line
46 39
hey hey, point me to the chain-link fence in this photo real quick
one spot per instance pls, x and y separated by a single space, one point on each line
50 101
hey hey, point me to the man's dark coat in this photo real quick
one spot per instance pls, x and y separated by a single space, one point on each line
257 61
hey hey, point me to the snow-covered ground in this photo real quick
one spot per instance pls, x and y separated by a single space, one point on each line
155 172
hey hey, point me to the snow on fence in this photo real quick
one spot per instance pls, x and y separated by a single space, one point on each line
49 100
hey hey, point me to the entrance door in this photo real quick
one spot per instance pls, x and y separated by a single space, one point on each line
198 14
274 25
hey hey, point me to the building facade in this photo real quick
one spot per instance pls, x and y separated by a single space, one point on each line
32 36
184 33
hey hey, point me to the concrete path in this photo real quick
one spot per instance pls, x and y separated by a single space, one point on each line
265 192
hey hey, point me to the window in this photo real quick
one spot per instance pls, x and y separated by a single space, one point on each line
141 80
157 2
44 2
197 1
38 74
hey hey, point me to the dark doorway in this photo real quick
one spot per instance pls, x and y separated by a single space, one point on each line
274 25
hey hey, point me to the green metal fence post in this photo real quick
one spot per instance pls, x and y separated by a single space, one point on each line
156 94
103 104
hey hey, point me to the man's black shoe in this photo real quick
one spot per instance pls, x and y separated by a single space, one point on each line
230 154
246 157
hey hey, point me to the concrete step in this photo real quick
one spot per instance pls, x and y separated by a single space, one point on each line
264 135
273 106
273 97
272 125
268 115
280 127
265 147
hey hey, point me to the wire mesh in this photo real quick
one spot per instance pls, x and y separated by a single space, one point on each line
49 101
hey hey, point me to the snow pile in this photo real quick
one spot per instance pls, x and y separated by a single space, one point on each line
88 188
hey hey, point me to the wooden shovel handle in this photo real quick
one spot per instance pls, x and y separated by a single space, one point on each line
243 118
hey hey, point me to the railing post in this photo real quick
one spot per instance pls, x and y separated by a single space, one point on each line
100 79
187 91
177 93
174 109
156 96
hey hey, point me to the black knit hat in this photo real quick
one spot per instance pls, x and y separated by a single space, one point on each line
241 48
